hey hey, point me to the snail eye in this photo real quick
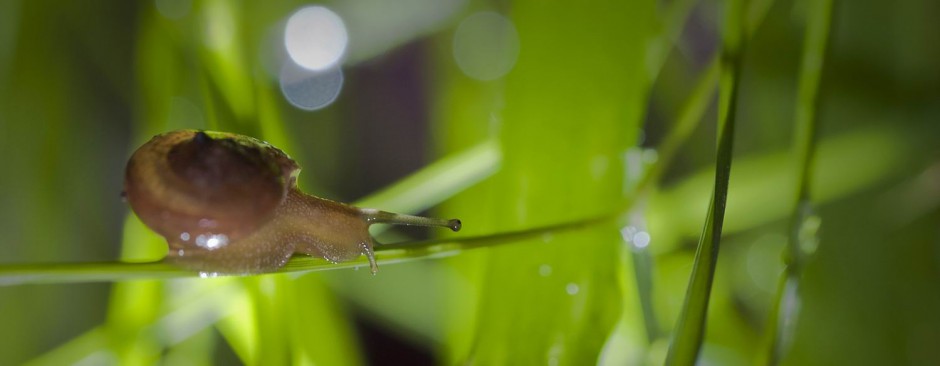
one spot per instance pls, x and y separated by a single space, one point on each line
201 137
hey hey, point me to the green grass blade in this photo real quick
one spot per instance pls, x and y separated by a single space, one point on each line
674 19
183 316
438 181
690 115
804 223
690 329
225 297
386 254
840 174
697 104
585 88
38 273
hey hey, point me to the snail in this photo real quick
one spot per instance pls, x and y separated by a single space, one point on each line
229 204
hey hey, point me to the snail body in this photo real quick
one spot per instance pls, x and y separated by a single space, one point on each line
229 204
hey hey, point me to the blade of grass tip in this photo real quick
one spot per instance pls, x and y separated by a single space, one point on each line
694 108
690 328
674 17
804 223
690 115
438 181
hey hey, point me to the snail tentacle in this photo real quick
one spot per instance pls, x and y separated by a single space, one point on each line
383 217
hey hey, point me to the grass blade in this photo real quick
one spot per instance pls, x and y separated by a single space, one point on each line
804 223
690 329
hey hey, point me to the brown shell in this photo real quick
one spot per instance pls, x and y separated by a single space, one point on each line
185 184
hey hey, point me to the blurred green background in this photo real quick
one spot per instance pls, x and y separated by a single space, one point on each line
571 103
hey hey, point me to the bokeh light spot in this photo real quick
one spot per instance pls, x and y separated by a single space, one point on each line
572 289
486 46
315 38
545 270
310 90
641 239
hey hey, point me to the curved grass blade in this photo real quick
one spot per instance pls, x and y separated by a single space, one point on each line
690 329
804 223
210 299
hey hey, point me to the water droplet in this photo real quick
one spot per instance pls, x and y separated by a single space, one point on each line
600 165
637 239
641 240
184 236
627 233
809 234
545 270
806 231
212 241
572 289
208 274
650 156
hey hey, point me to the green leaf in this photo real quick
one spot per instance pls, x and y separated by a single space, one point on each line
565 117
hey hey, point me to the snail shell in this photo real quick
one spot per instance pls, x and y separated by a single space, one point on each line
229 204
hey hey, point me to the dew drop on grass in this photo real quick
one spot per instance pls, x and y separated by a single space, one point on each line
547 237
545 270
807 230
572 289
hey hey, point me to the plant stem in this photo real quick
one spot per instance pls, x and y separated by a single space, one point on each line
804 223
690 329
690 115
390 253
